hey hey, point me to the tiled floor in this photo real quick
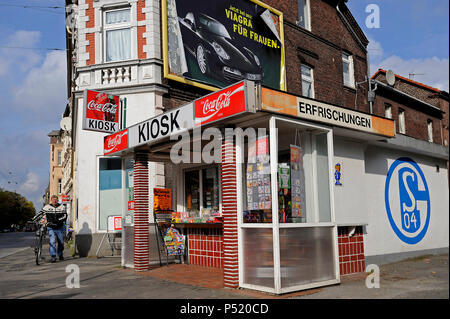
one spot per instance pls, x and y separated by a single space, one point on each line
209 277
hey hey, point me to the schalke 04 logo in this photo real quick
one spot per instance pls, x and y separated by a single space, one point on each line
407 200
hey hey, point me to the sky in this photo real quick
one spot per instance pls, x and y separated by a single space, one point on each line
412 37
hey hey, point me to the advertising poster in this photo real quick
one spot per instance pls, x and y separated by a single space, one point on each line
217 44
297 182
128 220
259 196
162 198
101 112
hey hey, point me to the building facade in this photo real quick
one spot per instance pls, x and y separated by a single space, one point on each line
56 165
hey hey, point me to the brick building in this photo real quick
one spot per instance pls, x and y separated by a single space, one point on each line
56 165
424 108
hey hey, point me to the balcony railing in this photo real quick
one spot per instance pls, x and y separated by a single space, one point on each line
117 74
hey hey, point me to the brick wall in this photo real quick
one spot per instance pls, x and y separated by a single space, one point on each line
351 251
322 49
416 122
205 247
416 115
90 23
141 40
443 104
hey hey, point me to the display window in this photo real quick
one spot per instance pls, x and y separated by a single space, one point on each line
202 194
286 229
109 190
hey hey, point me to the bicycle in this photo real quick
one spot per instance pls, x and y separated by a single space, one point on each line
41 229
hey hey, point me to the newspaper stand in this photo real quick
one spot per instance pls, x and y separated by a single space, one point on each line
163 220
114 227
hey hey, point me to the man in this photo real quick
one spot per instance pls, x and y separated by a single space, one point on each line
56 218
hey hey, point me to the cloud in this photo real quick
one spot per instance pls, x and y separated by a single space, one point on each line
13 59
431 71
32 184
43 90
24 163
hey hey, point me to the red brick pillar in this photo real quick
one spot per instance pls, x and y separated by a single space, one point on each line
141 228
229 212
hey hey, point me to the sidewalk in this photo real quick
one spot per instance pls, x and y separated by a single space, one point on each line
104 278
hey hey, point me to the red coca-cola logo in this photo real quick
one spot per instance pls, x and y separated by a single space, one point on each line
225 103
215 105
116 142
105 108
102 106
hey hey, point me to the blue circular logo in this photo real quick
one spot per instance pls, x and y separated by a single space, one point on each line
407 200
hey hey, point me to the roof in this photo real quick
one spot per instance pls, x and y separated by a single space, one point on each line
53 133
408 80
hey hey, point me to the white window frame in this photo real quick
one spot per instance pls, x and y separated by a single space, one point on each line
388 111
118 26
309 79
200 185
59 157
430 130
275 225
401 121
307 15
348 58
97 190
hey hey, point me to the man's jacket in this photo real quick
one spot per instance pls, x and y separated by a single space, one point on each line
56 216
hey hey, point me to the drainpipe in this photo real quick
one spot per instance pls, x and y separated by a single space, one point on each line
371 94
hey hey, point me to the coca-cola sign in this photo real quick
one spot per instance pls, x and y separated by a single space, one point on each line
222 104
115 142
101 112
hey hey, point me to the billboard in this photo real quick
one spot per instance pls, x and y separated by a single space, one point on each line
213 45
101 112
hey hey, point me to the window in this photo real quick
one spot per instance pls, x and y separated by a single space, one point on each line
303 14
59 186
110 190
59 157
430 131
347 64
388 110
117 35
401 121
202 192
307 81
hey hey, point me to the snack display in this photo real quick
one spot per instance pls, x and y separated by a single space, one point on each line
174 241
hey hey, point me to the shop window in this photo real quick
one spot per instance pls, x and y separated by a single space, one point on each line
202 195
258 192
303 182
110 190
307 81
117 35
303 14
348 70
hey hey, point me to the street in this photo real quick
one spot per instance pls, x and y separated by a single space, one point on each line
104 278
11 243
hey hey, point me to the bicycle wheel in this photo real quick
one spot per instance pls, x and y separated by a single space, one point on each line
38 248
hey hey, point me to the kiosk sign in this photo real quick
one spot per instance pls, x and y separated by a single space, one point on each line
407 200
101 112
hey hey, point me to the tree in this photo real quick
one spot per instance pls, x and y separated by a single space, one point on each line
14 209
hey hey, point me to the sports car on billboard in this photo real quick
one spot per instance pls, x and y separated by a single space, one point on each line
216 52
